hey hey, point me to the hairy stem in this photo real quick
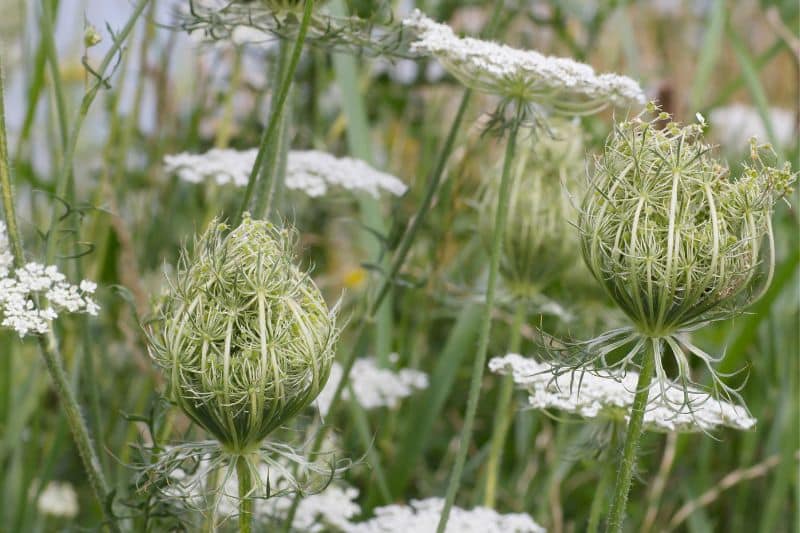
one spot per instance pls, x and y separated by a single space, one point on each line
625 473
503 412
501 215
245 495
270 144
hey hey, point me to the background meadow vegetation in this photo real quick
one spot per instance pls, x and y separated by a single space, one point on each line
123 221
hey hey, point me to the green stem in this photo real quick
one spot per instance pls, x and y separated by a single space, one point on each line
62 178
503 413
625 472
245 495
48 343
599 501
501 215
269 139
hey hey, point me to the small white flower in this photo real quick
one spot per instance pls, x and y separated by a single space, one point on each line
422 516
610 395
88 286
58 499
559 83
310 171
372 385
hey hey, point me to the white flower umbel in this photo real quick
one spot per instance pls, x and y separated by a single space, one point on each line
609 394
524 75
422 516
734 125
24 290
310 171
373 385
58 499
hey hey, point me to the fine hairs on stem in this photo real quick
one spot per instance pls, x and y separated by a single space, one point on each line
628 461
483 339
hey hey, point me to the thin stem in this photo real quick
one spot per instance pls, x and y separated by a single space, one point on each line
501 215
599 501
625 472
268 140
245 495
62 179
503 412
48 343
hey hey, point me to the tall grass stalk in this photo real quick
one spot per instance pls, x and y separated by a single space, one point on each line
501 216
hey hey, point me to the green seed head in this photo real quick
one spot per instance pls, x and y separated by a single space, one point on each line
538 244
671 236
245 338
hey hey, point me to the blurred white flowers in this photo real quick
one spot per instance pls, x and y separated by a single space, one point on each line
525 75
372 385
734 125
58 499
310 171
596 394
23 289
422 516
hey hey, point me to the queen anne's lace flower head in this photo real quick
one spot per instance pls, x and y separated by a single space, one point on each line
372 385
607 394
539 243
559 83
310 171
245 338
33 295
422 516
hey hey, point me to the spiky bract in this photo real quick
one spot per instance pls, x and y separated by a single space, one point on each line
245 338
673 239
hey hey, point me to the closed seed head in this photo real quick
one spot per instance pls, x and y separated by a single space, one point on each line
245 337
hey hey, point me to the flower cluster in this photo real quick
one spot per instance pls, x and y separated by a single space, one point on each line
422 516
609 395
539 209
245 338
561 84
310 171
59 500
372 385
24 290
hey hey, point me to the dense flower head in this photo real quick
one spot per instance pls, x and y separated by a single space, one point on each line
559 83
609 395
373 385
245 338
538 244
311 171
670 235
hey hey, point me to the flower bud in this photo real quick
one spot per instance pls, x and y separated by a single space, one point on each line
245 338
538 244
671 237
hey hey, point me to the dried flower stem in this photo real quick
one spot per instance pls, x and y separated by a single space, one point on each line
503 412
48 343
483 340
628 461
269 141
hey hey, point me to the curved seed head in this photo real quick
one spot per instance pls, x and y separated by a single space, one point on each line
673 238
245 338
